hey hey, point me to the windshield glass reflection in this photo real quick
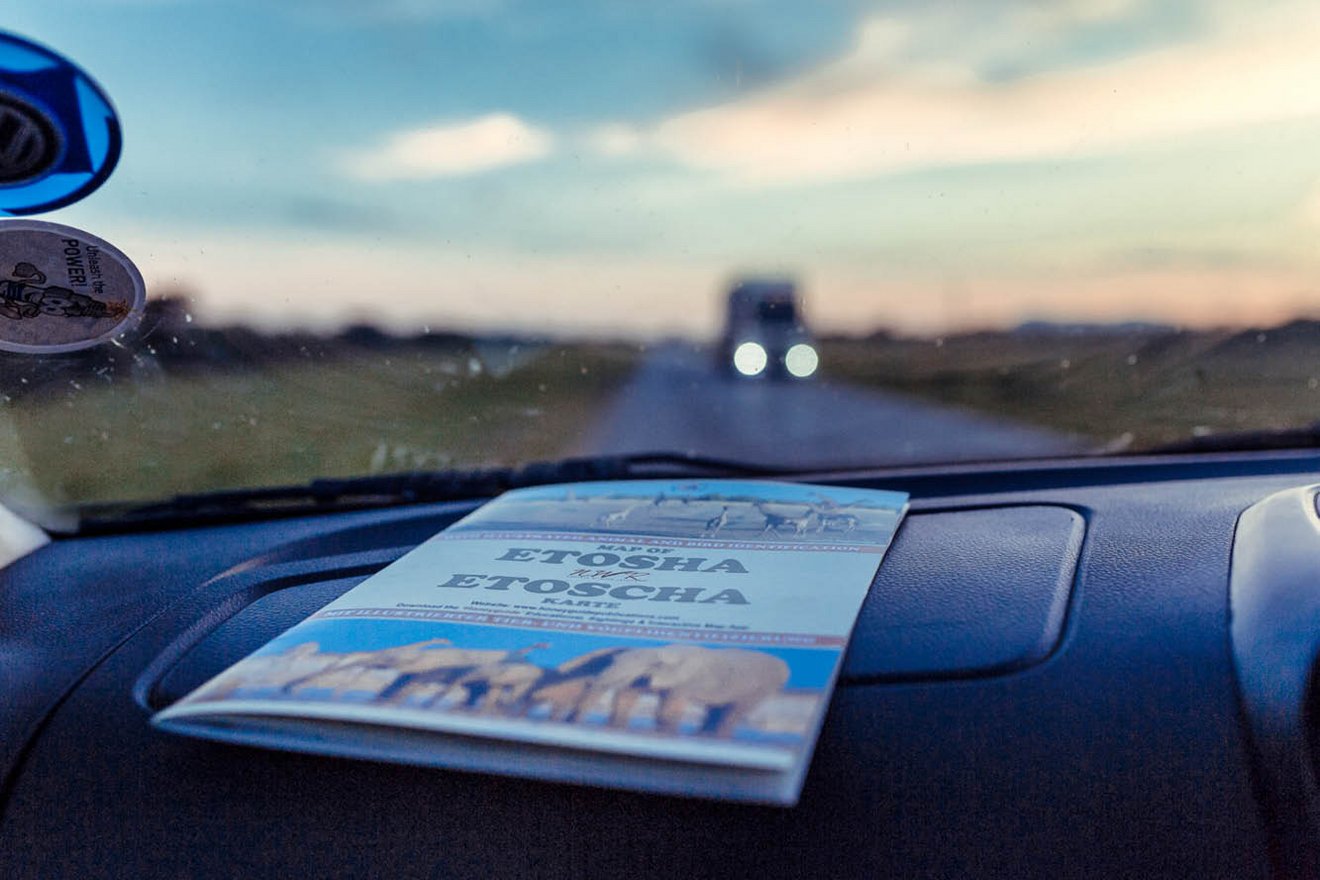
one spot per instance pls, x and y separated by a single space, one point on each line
423 235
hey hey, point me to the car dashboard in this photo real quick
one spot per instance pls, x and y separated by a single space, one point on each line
1072 668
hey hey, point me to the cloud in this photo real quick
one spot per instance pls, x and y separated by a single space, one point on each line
1049 14
871 112
614 139
451 149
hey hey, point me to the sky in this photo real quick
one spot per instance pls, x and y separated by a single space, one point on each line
610 166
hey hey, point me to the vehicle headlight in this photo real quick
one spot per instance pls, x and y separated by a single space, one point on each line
750 358
801 360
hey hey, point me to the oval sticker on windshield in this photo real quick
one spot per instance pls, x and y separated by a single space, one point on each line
59 135
62 289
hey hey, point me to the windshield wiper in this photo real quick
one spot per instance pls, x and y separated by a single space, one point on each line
403 488
1305 437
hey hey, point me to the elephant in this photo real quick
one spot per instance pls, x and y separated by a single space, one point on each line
366 680
564 687
728 683
270 670
402 658
443 667
497 686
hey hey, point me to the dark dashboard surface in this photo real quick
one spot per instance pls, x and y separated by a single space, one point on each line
1042 684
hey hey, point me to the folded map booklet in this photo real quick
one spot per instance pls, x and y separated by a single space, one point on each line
677 637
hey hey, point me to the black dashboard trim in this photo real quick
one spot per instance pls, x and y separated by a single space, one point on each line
1274 606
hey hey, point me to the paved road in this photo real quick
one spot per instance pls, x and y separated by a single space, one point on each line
679 401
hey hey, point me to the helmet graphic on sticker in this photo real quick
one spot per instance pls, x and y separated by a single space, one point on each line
62 289
59 135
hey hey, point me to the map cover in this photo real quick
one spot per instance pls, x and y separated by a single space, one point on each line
681 637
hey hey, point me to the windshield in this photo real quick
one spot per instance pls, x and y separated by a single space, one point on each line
423 234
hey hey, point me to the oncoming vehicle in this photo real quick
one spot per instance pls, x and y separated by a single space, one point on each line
764 333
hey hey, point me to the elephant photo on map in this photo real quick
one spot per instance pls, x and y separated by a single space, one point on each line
668 688
725 684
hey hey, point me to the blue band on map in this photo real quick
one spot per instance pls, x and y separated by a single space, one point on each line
59 134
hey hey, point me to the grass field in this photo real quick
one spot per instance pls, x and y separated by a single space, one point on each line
1119 391
152 427
357 412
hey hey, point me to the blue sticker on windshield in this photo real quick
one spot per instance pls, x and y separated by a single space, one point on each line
59 135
